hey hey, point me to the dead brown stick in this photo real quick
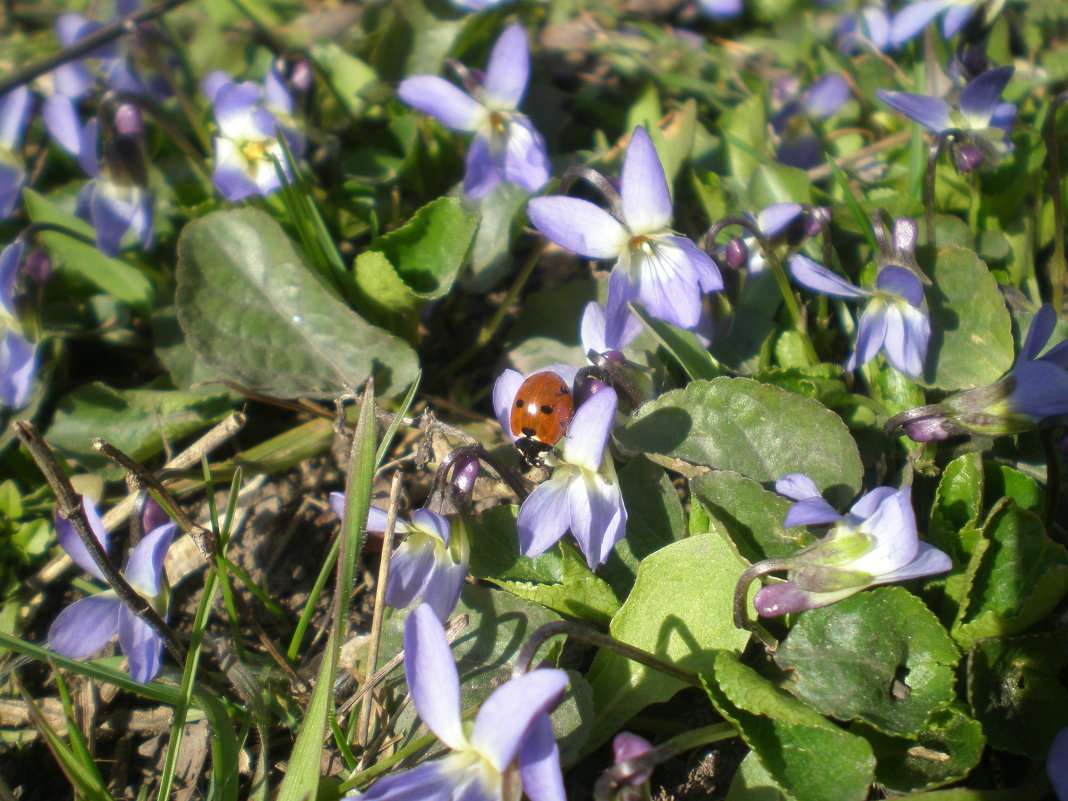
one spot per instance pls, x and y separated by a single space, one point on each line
70 507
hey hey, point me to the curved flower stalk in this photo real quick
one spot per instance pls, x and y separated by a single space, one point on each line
86 626
583 493
247 146
506 145
430 565
874 543
913 18
895 320
18 366
509 746
1032 395
667 272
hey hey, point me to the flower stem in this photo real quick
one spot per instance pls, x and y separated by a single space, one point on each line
538 638
489 330
741 593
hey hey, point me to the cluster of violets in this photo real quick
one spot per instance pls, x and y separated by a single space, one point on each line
510 743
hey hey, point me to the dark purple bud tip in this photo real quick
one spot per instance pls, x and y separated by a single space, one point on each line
38 266
737 253
301 75
128 120
968 158
153 516
627 746
464 474
814 220
586 387
929 430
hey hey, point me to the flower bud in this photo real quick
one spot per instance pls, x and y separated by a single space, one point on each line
737 253
128 120
968 158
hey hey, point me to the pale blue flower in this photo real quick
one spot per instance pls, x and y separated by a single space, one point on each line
874 543
509 744
583 494
667 272
894 321
18 365
506 145
86 626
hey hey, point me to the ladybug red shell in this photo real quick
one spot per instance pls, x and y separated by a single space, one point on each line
541 412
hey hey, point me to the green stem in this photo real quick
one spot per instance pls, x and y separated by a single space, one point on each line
489 330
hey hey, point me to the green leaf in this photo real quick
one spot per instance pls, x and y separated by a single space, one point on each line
744 136
113 276
760 431
971 335
580 593
655 519
491 254
880 656
698 574
346 75
426 253
305 761
954 528
965 794
776 183
946 750
794 743
753 782
1022 577
138 421
687 350
1015 691
495 550
250 308
751 515
1003 481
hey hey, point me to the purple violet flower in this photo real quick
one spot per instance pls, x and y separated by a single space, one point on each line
913 18
868 27
247 146
668 273
1057 765
1033 394
721 9
18 365
430 565
875 543
510 743
583 493
14 114
10 261
980 124
86 626
895 320
506 145
798 146
597 336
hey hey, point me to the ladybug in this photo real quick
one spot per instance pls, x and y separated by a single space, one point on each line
541 413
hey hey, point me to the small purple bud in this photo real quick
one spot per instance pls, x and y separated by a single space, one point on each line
967 158
627 746
586 387
38 266
737 254
930 429
815 219
464 473
128 120
615 356
301 76
153 516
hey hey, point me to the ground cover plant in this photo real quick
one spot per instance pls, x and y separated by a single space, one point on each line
459 399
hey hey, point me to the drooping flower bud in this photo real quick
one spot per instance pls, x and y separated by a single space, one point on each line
737 253
968 158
